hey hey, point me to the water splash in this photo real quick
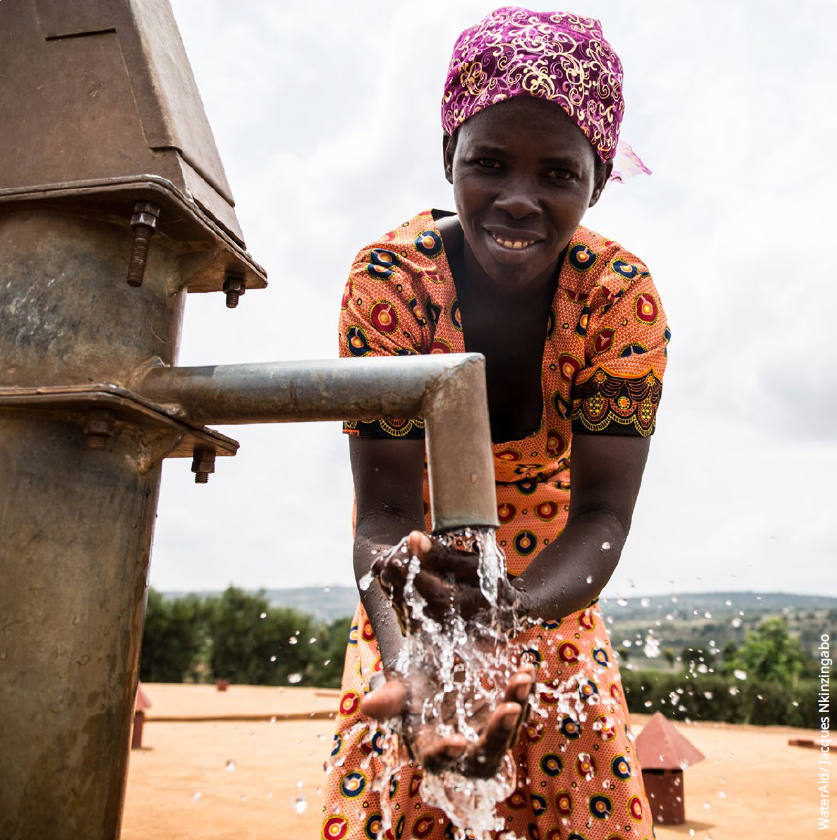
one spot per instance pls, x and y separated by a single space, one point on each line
471 662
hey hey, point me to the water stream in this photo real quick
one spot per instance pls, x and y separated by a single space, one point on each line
471 664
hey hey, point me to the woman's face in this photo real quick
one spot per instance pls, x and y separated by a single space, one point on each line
523 174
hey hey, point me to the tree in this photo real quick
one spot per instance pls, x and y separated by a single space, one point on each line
336 635
697 656
770 653
256 644
173 636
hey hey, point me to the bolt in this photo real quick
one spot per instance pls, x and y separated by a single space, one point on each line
143 222
234 287
203 463
99 427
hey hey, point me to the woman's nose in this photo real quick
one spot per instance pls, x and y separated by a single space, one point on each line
518 200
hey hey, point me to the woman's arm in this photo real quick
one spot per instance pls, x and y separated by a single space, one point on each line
568 574
388 476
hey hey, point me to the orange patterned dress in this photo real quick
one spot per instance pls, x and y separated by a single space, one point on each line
603 362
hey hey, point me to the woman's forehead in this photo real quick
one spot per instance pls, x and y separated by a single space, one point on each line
523 125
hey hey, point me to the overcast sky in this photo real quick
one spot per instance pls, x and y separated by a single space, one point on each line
327 121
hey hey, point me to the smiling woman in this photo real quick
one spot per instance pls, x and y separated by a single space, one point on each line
575 339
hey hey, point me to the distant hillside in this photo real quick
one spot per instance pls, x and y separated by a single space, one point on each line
327 603
323 602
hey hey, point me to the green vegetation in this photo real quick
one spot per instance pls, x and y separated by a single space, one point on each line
770 679
238 636
732 666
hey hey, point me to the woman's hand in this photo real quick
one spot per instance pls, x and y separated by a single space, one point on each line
498 729
448 580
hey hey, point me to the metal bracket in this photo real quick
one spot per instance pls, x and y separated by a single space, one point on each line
164 435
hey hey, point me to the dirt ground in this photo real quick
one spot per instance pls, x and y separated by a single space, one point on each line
261 780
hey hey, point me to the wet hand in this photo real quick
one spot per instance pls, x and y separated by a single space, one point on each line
447 580
498 729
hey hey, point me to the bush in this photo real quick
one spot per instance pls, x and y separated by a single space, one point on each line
719 698
173 637
239 637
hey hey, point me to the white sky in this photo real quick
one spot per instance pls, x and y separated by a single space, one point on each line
326 116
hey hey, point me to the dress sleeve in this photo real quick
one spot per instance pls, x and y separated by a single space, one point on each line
379 316
618 391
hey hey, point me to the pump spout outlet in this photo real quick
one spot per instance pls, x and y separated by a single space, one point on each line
447 391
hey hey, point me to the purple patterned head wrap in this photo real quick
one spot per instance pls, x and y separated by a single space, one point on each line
557 56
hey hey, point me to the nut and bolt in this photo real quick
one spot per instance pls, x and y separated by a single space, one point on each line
203 463
143 222
234 287
99 427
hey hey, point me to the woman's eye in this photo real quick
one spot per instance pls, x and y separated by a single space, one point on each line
560 174
488 163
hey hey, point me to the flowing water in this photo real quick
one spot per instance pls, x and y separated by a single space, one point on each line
471 664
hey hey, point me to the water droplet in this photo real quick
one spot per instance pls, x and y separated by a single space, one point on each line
736 622
326 662
739 674
300 804
622 602
684 765
312 640
733 690
230 766
293 640
262 615
648 704
589 578
272 658
294 678
605 546
196 796
708 695
722 794
644 602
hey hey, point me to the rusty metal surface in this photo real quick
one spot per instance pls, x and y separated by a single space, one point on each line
156 424
76 533
76 522
68 315
115 96
447 390
207 253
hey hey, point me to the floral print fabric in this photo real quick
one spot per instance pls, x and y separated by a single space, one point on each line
604 358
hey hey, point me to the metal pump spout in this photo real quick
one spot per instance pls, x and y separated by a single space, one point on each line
448 391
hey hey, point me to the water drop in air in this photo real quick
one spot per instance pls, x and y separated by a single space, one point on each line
294 678
230 766
300 804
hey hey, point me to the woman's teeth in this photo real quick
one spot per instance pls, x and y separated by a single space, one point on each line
510 243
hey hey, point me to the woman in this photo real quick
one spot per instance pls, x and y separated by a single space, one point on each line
575 343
